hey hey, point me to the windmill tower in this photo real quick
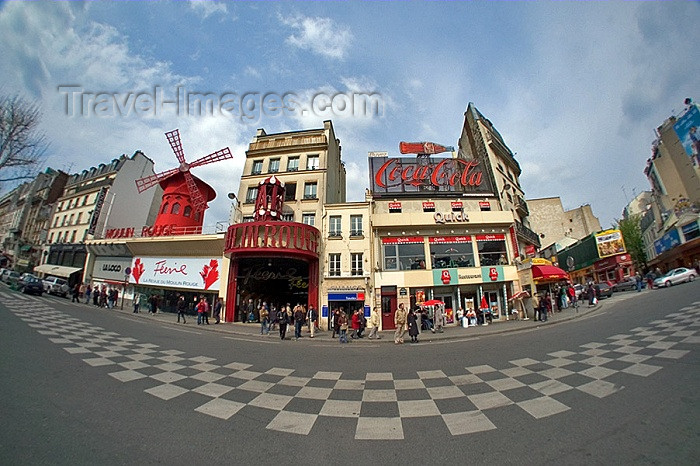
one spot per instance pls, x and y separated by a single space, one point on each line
185 196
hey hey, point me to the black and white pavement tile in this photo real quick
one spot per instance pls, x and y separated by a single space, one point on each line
381 405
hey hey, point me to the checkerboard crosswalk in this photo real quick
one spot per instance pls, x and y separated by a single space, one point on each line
380 404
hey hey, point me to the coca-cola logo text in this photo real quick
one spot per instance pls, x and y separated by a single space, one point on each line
448 172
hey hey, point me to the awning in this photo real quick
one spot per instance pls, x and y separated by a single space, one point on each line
548 273
56 270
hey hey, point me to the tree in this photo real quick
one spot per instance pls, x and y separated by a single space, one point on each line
632 234
22 144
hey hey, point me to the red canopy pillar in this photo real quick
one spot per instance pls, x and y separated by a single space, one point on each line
230 315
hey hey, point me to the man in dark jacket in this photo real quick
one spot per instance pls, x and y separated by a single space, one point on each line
181 307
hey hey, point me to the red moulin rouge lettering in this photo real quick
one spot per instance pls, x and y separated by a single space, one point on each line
163 269
449 172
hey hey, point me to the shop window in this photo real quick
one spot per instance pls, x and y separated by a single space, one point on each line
356 225
334 229
403 253
334 265
165 208
176 209
293 164
492 250
257 167
356 264
274 166
691 231
451 251
187 212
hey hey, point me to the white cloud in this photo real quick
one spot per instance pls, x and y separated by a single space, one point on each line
322 36
252 72
206 8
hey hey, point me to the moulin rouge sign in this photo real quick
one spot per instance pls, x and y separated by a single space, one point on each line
392 176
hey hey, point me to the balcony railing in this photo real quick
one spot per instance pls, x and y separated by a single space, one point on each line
526 234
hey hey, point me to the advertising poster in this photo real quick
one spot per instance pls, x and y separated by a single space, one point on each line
687 128
176 272
609 243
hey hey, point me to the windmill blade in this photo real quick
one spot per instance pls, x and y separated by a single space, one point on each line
222 154
176 144
198 201
148 181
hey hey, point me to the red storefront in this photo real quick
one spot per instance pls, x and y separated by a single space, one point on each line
614 268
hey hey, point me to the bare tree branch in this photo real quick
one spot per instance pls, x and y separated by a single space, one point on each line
22 144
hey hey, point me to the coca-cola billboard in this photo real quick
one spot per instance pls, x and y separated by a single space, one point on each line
427 175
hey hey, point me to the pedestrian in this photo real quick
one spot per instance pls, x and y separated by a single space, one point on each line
202 311
374 320
343 326
439 317
290 315
181 308
88 292
272 318
471 317
75 294
96 296
355 322
363 323
543 310
336 321
312 315
591 294
412 326
217 310
571 291
244 310
264 320
400 323
282 320
638 280
299 319
137 302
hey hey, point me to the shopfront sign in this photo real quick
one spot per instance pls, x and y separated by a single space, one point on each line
410 176
146 231
428 205
495 237
609 243
450 217
99 202
111 268
394 206
492 274
449 239
456 205
273 236
668 241
346 296
447 276
484 205
176 272
402 240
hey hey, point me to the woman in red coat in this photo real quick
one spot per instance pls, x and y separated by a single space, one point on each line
356 322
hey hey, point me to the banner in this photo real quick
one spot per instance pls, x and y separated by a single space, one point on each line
99 202
609 243
687 128
176 272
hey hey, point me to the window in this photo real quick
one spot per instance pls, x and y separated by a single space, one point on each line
356 225
290 192
63 222
188 211
691 231
334 228
312 162
85 199
334 265
248 219
55 221
451 251
288 217
274 166
60 206
293 164
251 195
403 253
72 236
492 249
257 167
165 208
77 220
356 263
176 209
51 238
308 219
310 190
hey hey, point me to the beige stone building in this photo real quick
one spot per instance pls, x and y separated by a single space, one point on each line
553 224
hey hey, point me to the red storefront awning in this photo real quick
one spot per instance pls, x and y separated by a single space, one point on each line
548 273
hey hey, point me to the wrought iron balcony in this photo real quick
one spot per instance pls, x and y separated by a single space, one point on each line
527 235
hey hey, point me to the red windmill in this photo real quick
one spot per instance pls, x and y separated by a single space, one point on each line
183 200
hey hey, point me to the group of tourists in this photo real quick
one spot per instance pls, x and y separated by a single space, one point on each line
271 316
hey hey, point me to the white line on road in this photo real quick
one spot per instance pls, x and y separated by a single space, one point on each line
254 341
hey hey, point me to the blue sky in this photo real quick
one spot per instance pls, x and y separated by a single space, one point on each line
575 88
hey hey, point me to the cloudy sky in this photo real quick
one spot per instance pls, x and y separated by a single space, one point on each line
576 89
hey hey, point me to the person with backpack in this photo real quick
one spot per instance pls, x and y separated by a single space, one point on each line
282 321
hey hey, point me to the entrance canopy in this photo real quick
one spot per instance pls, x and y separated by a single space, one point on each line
56 270
548 273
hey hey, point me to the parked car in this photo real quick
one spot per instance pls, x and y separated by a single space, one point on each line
674 277
11 278
603 290
5 273
628 283
30 284
56 286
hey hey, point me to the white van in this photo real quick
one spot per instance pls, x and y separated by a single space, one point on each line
57 286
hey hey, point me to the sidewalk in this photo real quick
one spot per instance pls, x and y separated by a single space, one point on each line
387 336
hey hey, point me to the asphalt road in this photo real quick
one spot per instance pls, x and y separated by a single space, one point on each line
88 386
